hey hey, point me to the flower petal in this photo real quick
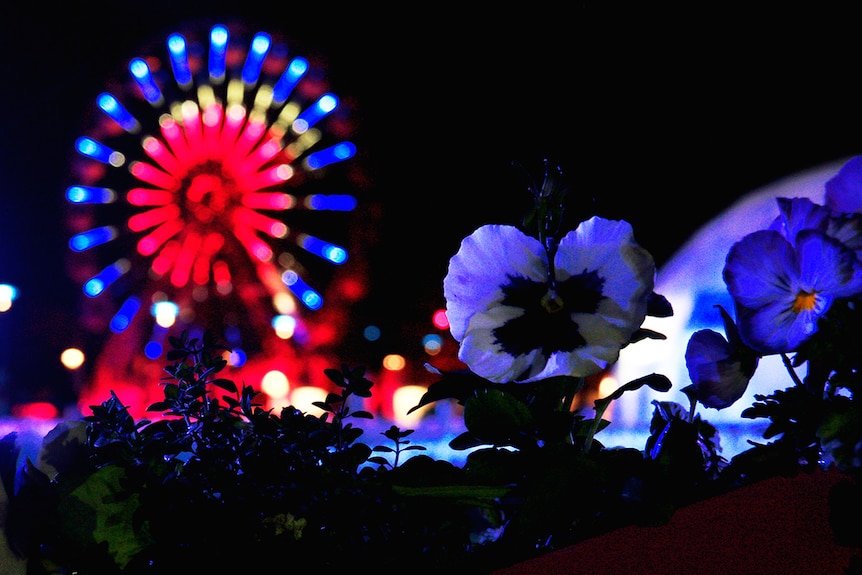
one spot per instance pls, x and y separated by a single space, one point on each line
761 268
609 248
797 214
718 374
827 266
844 189
775 328
484 353
484 262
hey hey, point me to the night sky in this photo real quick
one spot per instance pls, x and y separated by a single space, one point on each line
660 117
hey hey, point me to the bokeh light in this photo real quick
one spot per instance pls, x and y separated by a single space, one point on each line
440 320
275 384
72 358
394 362
403 399
8 294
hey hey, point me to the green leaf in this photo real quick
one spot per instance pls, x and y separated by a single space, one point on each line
458 385
642 333
658 306
225 384
481 495
112 510
655 381
496 417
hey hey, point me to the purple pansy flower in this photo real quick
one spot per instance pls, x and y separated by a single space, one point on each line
799 214
719 368
512 327
782 288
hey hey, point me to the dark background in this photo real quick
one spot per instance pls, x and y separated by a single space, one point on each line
662 116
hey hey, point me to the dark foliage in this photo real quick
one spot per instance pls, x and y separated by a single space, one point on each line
217 484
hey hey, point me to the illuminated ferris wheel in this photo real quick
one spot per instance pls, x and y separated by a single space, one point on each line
214 187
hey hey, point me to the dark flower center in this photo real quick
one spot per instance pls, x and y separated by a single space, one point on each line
547 329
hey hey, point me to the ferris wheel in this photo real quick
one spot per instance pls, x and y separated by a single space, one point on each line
214 189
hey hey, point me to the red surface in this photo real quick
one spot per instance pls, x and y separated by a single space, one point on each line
775 526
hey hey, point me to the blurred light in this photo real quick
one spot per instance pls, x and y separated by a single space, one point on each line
92 238
284 326
153 349
302 144
35 410
276 404
335 202
284 302
150 218
100 282
303 398
90 195
212 116
291 76
404 398
72 358
260 45
100 152
157 150
330 155
271 176
607 386
144 78
179 60
432 343
123 318
191 126
218 49
265 224
394 362
117 112
371 333
253 244
165 313
148 244
237 357
263 99
310 298
152 175
275 384
333 253
147 197
8 294
173 136
221 273
268 201
232 334
314 113
440 320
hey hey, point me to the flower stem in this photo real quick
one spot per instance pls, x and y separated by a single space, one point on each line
600 406
571 387
790 370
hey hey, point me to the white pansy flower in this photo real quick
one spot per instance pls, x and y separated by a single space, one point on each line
513 328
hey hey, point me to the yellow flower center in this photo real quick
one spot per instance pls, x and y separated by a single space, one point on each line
552 302
804 301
